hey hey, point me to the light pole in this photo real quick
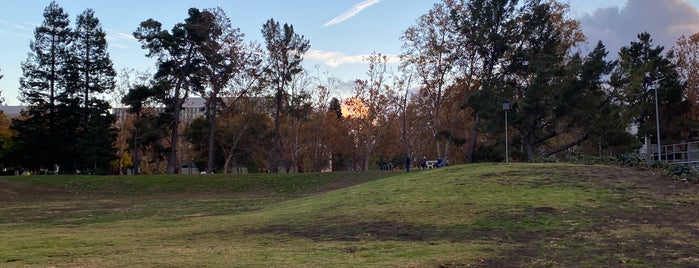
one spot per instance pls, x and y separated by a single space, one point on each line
506 106
656 86
657 120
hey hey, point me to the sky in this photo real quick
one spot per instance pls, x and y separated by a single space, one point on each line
341 32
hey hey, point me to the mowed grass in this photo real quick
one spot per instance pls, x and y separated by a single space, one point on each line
485 215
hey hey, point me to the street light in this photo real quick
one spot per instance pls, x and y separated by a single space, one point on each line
656 86
506 106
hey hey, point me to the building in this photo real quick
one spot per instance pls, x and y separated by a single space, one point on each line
191 109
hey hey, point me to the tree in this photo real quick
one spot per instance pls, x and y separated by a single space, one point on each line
43 71
285 50
179 64
136 99
326 115
225 58
486 30
43 140
92 74
522 53
127 79
92 63
687 61
540 70
374 106
642 72
6 134
298 111
243 130
429 49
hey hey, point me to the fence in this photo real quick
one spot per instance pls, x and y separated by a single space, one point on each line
676 154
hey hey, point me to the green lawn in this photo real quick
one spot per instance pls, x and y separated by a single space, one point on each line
485 215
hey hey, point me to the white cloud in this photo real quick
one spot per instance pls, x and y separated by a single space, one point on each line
335 59
665 20
352 12
121 40
121 36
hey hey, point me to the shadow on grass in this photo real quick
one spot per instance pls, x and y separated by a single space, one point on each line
536 237
518 227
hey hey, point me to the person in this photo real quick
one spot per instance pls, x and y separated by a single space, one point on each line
423 163
440 163
407 164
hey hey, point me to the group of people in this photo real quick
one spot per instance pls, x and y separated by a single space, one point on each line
423 163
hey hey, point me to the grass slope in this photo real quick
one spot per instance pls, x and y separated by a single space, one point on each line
488 215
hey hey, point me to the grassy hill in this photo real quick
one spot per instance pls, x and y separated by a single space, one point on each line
486 215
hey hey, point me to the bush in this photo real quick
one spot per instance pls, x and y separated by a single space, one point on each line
632 160
683 172
591 160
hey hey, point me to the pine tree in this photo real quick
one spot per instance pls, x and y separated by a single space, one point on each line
92 74
179 65
42 81
66 124
285 50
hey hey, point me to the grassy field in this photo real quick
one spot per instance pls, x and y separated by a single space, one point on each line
485 215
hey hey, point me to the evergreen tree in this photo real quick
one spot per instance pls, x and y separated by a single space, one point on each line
285 50
92 74
66 124
642 70
94 71
180 65
43 79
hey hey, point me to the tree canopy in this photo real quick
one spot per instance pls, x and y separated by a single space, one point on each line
263 111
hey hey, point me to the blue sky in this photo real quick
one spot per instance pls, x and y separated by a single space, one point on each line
341 32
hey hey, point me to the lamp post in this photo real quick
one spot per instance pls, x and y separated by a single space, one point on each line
506 106
657 120
656 86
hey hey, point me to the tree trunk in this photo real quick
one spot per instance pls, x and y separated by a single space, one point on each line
295 149
472 143
446 152
172 159
212 134
135 159
228 162
566 146
529 148
274 157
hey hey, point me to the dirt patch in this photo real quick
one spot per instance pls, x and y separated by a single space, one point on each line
654 222
12 191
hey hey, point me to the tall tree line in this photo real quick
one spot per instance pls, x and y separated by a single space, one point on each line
67 126
263 111
527 52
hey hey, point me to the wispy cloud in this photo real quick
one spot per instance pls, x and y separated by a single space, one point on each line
352 12
15 30
335 59
121 40
121 36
